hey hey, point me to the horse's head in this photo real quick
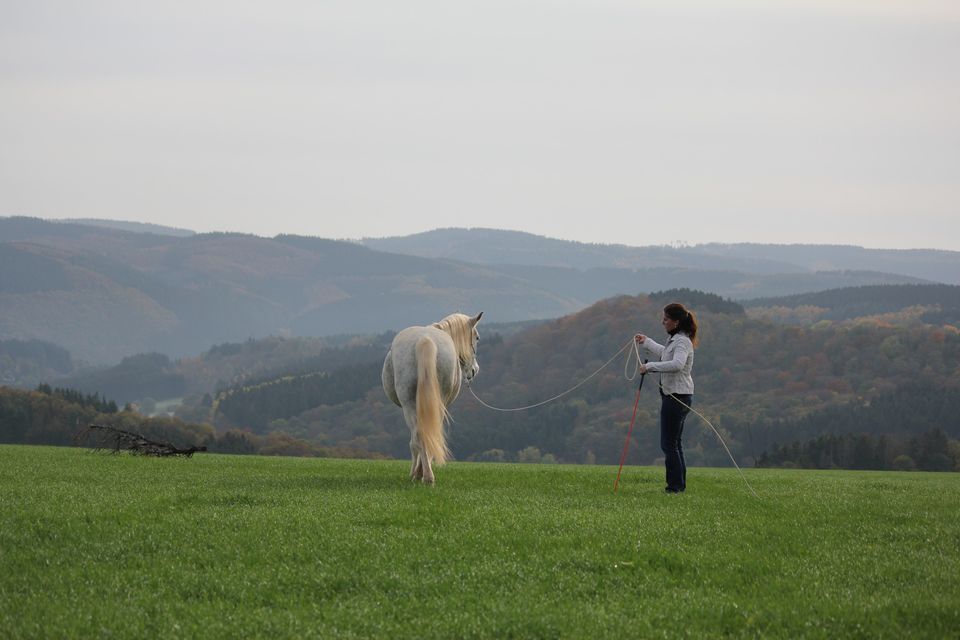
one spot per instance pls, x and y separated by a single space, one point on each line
463 331
474 340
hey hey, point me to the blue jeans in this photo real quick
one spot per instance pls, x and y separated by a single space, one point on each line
672 416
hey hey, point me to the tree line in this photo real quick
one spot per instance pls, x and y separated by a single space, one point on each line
136 377
852 302
256 406
930 451
55 417
92 400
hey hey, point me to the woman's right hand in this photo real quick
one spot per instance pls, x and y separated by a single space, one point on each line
639 338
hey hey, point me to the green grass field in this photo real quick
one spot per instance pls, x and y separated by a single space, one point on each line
106 546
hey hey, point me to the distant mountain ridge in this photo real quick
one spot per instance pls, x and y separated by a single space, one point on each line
497 247
106 293
136 227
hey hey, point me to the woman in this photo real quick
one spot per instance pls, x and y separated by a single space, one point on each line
676 386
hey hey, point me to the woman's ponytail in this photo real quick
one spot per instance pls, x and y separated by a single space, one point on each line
687 322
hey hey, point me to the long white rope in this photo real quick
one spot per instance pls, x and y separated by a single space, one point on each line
626 366
720 438
576 386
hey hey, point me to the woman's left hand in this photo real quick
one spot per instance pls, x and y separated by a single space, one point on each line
642 369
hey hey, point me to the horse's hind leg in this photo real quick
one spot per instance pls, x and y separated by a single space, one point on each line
416 468
427 468
420 468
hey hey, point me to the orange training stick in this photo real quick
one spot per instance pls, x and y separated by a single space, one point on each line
626 443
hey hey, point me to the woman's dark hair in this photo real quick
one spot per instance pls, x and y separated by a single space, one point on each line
688 322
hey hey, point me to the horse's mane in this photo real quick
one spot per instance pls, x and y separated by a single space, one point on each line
458 326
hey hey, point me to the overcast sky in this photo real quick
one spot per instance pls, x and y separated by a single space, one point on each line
601 121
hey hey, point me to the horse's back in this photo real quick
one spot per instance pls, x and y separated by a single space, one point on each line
400 366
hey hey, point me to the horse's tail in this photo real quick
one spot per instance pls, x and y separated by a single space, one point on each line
431 412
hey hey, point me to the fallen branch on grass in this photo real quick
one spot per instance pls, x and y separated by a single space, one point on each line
117 440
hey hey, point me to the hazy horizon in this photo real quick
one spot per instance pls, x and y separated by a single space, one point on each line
781 122
111 222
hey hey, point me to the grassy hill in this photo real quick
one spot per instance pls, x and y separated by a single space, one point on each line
227 546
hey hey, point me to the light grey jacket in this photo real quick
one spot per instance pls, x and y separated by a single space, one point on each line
675 365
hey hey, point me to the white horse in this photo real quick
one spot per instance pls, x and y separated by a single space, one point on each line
422 374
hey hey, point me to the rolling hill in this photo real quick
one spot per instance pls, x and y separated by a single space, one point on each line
762 382
498 247
863 391
107 293
932 304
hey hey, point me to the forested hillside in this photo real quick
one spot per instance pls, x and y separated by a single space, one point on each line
857 392
137 377
936 304
27 363
765 384
748 372
257 406
914 426
55 416
223 366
